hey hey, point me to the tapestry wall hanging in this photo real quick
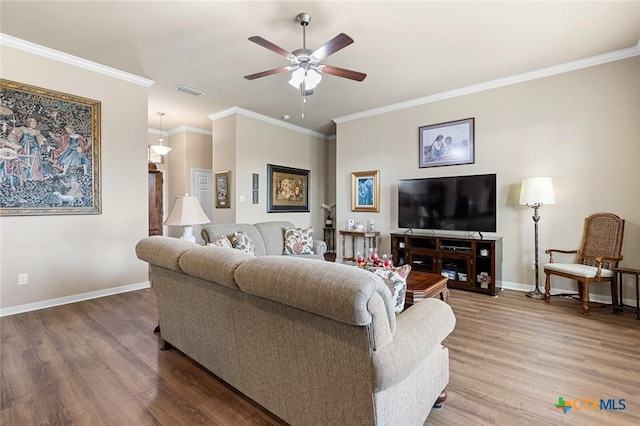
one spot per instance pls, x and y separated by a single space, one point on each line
287 189
49 152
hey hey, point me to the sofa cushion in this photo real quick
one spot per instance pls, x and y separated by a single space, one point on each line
396 281
211 232
298 240
222 241
273 236
217 264
332 290
163 251
241 241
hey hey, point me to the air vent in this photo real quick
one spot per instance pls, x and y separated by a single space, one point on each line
189 90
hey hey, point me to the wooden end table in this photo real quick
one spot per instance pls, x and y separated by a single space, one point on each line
421 285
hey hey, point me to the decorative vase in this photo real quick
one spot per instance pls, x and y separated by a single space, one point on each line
328 223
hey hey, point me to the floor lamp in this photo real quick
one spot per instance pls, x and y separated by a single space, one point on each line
186 213
535 192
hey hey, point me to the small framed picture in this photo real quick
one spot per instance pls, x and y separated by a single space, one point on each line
365 191
447 144
255 187
222 190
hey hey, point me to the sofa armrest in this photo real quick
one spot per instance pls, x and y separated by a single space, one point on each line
420 330
319 247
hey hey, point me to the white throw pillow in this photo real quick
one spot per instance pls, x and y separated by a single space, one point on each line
242 242
298 240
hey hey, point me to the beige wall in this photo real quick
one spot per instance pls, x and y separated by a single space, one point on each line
75 254
190 150
224 158
246 145
582 128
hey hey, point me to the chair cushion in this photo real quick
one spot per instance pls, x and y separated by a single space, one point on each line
242 242
298 240
578 269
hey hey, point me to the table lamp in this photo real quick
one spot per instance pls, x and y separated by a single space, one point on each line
535 192
186 213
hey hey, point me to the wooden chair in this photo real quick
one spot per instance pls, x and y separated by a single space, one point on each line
598 255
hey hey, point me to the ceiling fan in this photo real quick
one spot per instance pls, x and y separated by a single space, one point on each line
305 63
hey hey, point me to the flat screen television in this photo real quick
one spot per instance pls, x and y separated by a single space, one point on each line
456 203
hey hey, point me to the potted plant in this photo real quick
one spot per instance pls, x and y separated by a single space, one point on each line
328 214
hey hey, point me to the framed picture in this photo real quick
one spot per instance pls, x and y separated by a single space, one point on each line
365 191
287 189
255 187
222 190
49 152
447 144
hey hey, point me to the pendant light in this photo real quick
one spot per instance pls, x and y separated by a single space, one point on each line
160 149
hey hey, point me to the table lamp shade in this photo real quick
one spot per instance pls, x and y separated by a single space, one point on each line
537 190
186 211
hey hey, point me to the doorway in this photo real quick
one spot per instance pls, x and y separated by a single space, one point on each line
202 189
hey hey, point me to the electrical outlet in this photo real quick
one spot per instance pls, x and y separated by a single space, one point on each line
533 265
23 279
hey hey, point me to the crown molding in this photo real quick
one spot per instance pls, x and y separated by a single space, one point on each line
185 128
180 129
273 121
56 55
502 82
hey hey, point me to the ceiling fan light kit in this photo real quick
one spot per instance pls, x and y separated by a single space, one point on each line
305 64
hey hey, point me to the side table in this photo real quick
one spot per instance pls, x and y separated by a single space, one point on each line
617 284
370 237
422 285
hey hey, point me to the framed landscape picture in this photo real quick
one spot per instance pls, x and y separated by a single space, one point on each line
49 152
222 190
365 191
287 189
447 144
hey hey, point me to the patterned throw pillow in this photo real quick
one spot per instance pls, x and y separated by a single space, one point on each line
222 241
298 240
241 241
396 280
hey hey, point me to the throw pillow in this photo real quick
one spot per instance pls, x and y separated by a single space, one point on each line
396 280
241 241
298 240
222 241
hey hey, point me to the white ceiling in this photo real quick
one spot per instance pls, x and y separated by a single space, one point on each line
408 50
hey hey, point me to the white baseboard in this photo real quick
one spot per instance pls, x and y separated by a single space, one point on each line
72 299
507 285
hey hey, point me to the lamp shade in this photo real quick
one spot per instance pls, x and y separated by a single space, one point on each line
160 149
537 190
186 211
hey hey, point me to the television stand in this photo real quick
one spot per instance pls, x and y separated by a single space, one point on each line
469 263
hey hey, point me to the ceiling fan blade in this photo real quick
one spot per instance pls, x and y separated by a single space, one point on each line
266 73
272 47
341 72
332 46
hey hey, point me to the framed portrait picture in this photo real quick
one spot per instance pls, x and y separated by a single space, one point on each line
222 190
447 144
49 152
255 187
365 191
287 189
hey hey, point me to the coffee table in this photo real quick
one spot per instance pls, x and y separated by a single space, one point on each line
421 285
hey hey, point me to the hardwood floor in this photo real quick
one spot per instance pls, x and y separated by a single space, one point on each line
98 363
